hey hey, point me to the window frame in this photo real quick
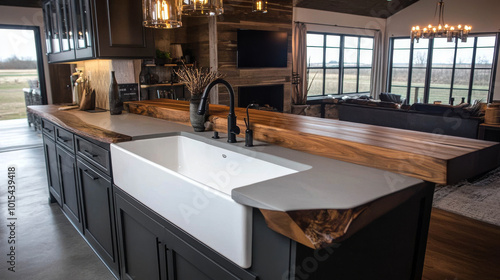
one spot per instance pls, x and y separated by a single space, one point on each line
341 68
429 67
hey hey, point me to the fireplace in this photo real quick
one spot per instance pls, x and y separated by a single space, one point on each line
267 97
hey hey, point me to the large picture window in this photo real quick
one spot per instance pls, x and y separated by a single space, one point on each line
434 70
338 64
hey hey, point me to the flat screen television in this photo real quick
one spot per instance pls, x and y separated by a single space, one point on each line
259 49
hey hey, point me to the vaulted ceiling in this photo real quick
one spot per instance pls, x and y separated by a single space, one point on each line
22 3
371 8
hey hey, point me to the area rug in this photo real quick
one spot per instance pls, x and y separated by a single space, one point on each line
478 199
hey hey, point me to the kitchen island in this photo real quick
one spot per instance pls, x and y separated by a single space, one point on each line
377 217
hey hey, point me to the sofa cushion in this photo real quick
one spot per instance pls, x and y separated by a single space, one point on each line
390 97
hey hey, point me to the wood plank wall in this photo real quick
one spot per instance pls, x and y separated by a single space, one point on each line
238 14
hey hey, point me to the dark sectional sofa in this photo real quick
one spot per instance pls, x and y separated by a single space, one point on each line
447 120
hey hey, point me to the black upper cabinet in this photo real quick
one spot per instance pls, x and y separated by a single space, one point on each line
86 29
59 30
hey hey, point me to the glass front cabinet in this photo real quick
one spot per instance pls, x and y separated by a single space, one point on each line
71 30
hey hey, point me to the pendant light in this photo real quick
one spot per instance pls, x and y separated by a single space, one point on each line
202 7
441 29
162 14
259 6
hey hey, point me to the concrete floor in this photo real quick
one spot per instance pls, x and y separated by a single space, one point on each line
47 246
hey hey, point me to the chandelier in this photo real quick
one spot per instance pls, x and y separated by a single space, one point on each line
202 7
442 30
259 6
162 14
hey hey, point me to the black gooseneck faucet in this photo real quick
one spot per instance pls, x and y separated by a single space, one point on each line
232 128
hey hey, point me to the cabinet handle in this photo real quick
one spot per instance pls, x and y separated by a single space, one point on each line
63 139
89 154
86 171
47 130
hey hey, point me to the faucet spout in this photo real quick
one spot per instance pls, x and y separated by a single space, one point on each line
232 128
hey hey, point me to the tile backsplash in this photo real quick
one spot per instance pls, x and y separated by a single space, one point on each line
99 73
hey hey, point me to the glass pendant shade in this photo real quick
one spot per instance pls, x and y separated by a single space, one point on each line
163 14
202 7
259 6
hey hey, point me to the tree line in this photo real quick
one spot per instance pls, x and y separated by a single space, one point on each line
14 62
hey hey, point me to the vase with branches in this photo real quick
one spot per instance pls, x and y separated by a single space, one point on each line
299 99
196 79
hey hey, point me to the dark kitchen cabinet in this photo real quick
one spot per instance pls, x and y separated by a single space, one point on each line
70 197
86 29
98 212
141 243
79 179
59 30
153 248
55 192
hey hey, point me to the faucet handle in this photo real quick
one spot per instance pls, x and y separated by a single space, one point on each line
236 130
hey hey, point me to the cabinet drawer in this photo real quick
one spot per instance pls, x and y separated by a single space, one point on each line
48 128
97 156
65 139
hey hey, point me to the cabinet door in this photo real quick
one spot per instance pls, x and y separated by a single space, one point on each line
121 33
142 250
82 29
98 213
52 171
70 196
185 262
61 30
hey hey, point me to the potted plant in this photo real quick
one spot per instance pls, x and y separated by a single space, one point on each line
196 80
162 57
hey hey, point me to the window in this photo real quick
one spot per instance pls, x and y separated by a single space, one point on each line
437 70
338 64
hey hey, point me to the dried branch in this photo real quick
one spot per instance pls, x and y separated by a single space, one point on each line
196 79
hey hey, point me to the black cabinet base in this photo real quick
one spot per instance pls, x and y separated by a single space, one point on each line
390 248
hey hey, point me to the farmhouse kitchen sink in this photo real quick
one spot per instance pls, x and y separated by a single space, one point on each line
188 180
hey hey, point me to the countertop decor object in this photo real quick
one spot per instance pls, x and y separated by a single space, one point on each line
115 105
196 80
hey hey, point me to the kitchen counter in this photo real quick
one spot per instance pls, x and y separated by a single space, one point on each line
431 157
330 192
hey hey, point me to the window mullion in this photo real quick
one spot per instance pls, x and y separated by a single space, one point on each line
453 71
410 71
341 65
324 64
357 64
428 72
472 70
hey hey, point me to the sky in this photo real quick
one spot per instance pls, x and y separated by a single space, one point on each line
20 43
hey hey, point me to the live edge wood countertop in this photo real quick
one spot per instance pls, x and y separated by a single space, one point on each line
431 157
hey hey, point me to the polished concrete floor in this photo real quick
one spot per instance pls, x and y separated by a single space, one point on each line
47 246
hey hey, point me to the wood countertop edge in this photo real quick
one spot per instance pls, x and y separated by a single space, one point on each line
320 228
72 123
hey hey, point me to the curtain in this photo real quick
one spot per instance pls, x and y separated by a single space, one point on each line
377 65
299 67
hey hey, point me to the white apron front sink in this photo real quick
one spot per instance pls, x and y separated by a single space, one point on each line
189 182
